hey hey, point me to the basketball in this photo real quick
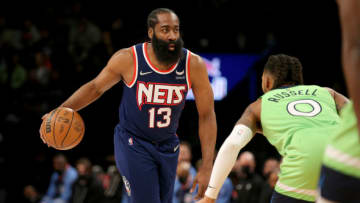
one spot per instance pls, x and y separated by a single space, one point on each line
62 129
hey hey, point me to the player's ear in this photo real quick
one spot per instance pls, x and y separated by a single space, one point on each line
269 82
150 33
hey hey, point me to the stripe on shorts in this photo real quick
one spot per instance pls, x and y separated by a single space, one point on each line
342 157
296 190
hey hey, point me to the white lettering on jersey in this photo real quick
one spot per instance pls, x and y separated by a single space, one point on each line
159 94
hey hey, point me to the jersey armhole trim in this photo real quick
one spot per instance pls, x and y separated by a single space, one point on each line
188 79
134 77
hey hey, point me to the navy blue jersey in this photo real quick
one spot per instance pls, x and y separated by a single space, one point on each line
152 102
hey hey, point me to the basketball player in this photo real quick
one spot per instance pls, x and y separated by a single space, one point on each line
296 119
157 76
340 173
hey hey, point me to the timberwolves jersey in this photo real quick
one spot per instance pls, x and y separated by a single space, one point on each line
152 102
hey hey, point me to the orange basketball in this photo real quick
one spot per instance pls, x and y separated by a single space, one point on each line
62 129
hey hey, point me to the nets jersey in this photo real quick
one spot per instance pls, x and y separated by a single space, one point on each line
152 102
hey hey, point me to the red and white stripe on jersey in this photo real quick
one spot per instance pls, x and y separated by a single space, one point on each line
187 67
147 59
135 73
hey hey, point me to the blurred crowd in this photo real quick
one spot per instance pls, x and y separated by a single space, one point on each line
83 182
35 55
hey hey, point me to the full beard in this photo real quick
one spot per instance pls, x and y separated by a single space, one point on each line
163 53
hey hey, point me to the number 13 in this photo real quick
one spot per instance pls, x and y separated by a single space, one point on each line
165 111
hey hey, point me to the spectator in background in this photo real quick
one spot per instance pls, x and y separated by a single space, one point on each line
113 188
248 184
184 180
185 174
62 179
30 34
84 35
42 72
31 195
270 173
270 165
225 194
19 74
87 188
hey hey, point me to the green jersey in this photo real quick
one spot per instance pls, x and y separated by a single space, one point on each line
343 151
297 121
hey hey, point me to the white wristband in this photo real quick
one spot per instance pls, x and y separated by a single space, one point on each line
225 160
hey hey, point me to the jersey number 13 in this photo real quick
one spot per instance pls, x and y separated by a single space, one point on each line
166 117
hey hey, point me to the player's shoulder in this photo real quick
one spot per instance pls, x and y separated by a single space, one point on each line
194 58
256 105
123 53
330 90
196 61
122 56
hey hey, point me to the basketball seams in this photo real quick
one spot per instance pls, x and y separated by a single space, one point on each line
57 113
48 120
82 133
72 118
79 137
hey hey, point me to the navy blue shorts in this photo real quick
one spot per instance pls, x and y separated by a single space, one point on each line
279 198
148 169
338 187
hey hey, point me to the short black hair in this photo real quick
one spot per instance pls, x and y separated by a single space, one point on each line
152 19
286 70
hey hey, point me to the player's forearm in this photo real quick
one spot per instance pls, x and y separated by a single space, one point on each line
352 73
207 133
349 15
226 158
82 97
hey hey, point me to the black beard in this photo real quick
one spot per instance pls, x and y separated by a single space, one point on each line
162 52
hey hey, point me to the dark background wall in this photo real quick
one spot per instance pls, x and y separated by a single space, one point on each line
308 30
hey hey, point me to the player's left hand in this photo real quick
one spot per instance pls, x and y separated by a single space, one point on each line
44 117
206 200
202 180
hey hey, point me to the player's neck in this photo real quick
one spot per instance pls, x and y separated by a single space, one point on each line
153 59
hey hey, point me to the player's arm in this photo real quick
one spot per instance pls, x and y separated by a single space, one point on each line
113 72
350 25
242 133
204 99
340 100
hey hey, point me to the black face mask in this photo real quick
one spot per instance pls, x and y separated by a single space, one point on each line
60 172
246 170
84 177
182 180
162 52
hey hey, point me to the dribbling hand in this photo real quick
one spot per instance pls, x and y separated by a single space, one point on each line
44 117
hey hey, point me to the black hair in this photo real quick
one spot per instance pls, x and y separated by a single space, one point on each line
152 19
287 70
